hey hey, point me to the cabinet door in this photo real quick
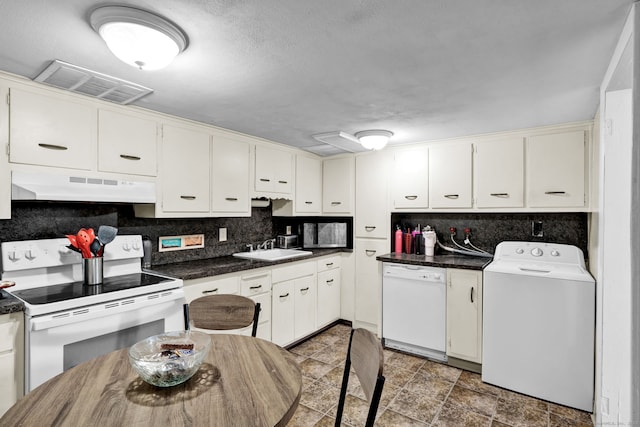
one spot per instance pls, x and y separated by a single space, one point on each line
282 312
498 170
464 314
51 131
410 179
273 170
185 170
230 177
556 170
126 144
372 215
11 359
450 175
305 306
338 185
368 286
328 296
308 198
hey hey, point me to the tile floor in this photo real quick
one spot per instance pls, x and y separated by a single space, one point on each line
417 392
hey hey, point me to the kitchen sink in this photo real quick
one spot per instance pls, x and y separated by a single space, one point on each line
272 254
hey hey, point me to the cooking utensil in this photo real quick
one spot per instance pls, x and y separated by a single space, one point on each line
106 234
73 240
83 240
73 248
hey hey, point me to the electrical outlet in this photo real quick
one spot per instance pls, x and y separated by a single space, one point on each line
536 229
222 235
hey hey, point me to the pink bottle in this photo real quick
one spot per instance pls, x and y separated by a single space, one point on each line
398 244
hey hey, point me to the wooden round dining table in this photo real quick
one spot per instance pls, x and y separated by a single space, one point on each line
244 381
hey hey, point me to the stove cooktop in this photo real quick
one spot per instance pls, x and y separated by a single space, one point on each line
69 291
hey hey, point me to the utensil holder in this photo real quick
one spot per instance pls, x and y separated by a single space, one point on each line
92 270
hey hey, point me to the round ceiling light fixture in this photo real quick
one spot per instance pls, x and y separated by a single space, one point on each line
138 37
375 139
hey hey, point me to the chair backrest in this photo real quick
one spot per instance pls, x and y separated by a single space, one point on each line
223 312
367 358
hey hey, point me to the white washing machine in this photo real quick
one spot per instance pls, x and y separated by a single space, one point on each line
539 323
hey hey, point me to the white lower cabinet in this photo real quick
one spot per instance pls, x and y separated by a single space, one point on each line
368 282
329 290
257 286
464 314
11 359
294 296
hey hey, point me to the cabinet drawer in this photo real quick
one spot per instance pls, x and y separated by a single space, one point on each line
293 271
328 263
255 284
265 307
202 287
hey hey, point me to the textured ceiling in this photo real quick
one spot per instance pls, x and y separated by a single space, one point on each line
287 69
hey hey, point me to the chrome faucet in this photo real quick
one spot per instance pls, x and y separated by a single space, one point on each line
267 244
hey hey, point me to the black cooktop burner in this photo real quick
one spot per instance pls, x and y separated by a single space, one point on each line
67 291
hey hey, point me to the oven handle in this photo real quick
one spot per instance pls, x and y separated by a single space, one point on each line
82 314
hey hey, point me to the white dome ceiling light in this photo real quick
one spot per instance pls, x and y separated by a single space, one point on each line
139 38
375 139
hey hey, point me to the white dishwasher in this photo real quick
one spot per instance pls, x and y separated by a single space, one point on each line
414 309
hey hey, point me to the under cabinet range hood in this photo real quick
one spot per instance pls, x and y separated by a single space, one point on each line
77 188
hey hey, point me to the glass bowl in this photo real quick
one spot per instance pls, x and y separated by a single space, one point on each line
171 358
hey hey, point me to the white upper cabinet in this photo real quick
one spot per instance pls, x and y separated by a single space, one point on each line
555 166
410 179
230 177
273 171
185 170
308 195
372 215
338 177
450 175
127 143
498 171
51 130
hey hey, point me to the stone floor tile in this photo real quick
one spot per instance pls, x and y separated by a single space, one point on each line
457 416
484 404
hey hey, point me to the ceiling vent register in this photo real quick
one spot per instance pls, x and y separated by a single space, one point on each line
87 82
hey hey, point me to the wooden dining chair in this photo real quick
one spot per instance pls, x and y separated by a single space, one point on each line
366 356
222 312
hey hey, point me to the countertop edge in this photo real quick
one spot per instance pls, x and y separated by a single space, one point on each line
443 261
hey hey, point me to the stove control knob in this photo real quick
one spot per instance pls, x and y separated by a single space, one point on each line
135 246
126 246
14 256
536 252
30 254
555 253
519 251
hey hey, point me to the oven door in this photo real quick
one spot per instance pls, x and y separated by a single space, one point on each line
59 341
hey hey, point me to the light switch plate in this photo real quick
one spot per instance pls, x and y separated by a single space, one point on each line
222 235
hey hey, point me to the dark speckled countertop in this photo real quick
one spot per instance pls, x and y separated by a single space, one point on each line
188 270
444 261
9 303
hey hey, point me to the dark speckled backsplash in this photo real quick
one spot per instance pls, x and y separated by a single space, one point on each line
43 220
489 229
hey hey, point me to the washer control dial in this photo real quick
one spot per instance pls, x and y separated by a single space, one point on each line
519 251
555 253
536 252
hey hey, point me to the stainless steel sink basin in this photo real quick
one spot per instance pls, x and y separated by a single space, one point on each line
272 254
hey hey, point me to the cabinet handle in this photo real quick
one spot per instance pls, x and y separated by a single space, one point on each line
554 192
369 227
451 196
265 180
188 197
211 291
283 182
336 203
255 287
231 199
52 146
308 203
330 281
369 251
505 195
128 157
329 264
410 197
471 295
303 290
285 295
